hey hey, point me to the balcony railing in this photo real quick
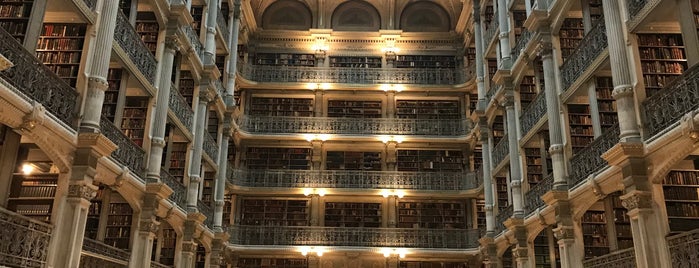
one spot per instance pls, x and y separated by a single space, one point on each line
179 191
353 237
532 199
179 106
501 150
98 254
284 74
127 153
439 181
625 258
589 160
194 41
219 87
634 7
353 126
24 242
684 249
36 82
139 54
522 42
502 216
223 26
210 146
590 47
667 106
207 211
492 29
533 113
91 4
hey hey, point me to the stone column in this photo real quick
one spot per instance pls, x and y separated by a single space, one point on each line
221 176
504 25
210 44
218 249
189 247
69 230
205 96
317 155
487 179
148 225
520 252
545 50
623 91
233 58
99 68
489 252
568 239
392 213
315 210
515 168
391 155
480 64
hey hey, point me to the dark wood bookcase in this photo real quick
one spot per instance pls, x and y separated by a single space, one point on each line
580 123
356 62
346 214
60 48
14 17
662 60
274 212
425 61
278 158
354 109
285 59
111 95
134 119
268 263
681 191
32 195
430 160
298 107
119 221
432 215
428 109
605 102
344 160
571 33
148 28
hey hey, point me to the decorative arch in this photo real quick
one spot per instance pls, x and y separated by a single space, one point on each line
356 15
287 15
424 16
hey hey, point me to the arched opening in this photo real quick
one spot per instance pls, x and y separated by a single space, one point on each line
356 16
506 258
546 253
287 15
424 16
164 245
606 227
200 257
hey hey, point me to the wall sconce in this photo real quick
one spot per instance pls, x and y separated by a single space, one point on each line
392 87
398 193
318 86
27 169
387 139
387 252
314 191
317 250
316 137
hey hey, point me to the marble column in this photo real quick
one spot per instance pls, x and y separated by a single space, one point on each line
480 63
515 168
487 179
148 225
520 251
205 97
221 176
504 25
647 228
210 43
99 68
623 91
233 58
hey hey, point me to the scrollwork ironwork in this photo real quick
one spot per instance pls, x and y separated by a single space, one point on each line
492 29
181 108
91 4
684 249
502 216
589 160
501 151
24 242
223 26
590 47
105 252
634 7
351 236
532 199
36 82
210 146
624 258
194 41
139 54
522 42
675 100
533 113
208 212
179 191
127 153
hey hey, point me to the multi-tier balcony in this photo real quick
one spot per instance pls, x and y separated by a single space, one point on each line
586 57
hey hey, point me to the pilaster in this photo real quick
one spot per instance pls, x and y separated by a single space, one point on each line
489 252
218 249
487 179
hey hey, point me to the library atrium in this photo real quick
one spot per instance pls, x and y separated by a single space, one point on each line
349 133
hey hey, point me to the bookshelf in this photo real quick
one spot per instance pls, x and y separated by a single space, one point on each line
498 129
662 60
299 107
492 68
186 86
285 59
178 160
221 65
527 91
547 144
278 158
432 215
507 258
167 248
430 160
207 188
267 263
580 125
60 49
212 124
356 62
354 109
33 195
518 17
480 213
274 212
605 102
111 95
477 157
681 190
534 164
471 55
622 223
594 226
426 264
428 109
503 196
472 103
197 16
425 61
92 223
571 33
14 17
134 119
200 257
119 220
339 160
345 214
147 27
542 251
488 15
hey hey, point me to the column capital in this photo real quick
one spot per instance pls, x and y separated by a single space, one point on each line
96 82
637 200
148 226
173 43
206 95
622 91
84 191
507 101
544 48
563 233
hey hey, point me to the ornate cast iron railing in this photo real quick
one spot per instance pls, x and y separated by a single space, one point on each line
670 104
179 191
210 146
354 237
179 106
624 258
223 26
501 150
590 47
139 54
441 181
532 199
533 113
207 211
127 153
91 4
430 76
492 29
100 253
634 7
589 160
219 88
502 216
36 82
522 42
684 249
194 41
335 125
24 241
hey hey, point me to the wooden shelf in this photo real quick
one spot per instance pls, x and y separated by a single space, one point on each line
354 109
285 59
527 91
297 107
356 62
341 160
662 60
344 214
278 158
267 263
534 162
503 196
580 124
571 33
60 48
134 119
430 160
148 29
33 195
431 215
681 191
425 61
428 109
14 17
119 221
111 95
274 212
